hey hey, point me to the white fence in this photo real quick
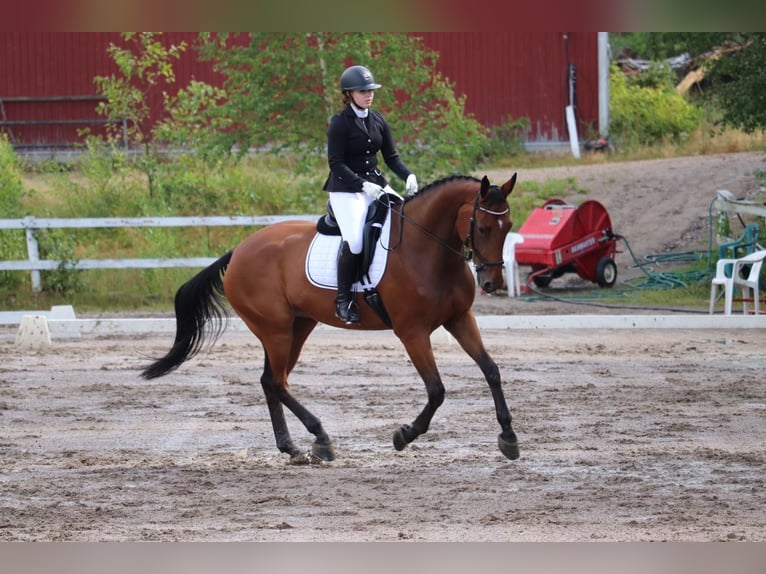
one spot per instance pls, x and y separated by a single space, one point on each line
33 263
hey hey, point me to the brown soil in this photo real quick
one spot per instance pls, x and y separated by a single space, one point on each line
625 435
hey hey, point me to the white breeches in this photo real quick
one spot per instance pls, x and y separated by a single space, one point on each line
350 211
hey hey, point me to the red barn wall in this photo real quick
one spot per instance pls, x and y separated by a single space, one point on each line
504 76
522 75
60 66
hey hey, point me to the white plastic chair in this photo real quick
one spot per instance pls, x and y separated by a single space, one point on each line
512 276
743 273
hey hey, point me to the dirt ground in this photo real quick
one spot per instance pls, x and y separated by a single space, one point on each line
625 435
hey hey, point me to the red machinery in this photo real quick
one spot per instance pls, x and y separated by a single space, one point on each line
561 238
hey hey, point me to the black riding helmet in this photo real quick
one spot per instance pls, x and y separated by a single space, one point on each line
357 78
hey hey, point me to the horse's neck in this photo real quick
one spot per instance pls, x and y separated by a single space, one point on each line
438 212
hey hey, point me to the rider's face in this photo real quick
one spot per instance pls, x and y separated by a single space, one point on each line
362 98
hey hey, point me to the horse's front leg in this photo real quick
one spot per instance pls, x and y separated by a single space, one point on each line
467 334
419 349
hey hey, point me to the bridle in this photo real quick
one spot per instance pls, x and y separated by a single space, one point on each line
469 245
471 252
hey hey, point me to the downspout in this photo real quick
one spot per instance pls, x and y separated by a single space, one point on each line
603 84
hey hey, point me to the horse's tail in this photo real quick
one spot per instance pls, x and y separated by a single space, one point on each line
200 318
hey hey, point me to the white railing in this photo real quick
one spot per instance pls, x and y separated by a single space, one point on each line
33 263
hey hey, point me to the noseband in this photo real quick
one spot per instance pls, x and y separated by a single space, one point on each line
471 251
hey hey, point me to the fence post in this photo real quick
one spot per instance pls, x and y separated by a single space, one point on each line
33 251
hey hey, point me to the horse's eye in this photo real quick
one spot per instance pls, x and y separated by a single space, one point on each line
483 230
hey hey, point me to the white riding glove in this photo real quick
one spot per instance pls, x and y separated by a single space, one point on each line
372 189
411 185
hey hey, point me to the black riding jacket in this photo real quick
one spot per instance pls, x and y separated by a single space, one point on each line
352 151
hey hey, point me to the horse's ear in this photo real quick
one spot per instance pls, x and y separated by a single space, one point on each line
508 186
484 185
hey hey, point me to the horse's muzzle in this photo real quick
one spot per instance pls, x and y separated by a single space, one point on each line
488 280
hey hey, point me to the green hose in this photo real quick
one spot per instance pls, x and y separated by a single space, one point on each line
651 278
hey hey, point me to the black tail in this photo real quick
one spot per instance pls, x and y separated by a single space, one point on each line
200 318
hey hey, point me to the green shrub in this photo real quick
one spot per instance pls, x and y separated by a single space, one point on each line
507 139
648 114
12 242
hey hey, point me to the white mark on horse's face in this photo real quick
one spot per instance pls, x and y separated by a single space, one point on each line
500 224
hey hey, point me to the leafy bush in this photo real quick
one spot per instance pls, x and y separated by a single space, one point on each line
506 140
12 242
648 114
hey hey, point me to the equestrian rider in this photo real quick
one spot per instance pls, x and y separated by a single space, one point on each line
354 138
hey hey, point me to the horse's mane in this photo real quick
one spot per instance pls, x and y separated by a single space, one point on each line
439 183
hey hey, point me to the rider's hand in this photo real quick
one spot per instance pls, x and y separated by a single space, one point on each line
372 189
411 185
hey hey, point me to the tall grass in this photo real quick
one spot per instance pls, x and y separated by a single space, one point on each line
104 184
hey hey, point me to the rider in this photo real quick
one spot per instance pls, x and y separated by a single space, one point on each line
354 137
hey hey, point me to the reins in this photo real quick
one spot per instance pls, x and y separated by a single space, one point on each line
468 252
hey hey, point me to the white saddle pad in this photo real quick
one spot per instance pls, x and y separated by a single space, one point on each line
322 260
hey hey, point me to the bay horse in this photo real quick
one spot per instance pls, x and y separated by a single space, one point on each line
427 283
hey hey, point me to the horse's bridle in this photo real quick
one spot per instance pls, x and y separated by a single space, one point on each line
468 251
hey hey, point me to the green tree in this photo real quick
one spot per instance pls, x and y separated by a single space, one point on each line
189 123
663 45
145 67
739 81
283 88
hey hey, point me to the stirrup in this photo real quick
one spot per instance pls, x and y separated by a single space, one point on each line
347 312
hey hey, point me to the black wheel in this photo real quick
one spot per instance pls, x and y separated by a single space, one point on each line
606 272
543 280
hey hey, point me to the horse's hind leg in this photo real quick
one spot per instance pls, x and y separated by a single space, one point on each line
276 413
274 382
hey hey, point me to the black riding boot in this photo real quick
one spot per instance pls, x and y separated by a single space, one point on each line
345 307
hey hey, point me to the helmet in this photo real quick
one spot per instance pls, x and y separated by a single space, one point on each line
357 78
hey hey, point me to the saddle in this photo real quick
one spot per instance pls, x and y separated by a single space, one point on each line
374 221
373 224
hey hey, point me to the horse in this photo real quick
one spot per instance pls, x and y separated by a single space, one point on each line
427 283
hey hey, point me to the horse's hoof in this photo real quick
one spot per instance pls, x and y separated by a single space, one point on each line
509 448
400 442
300 458
323 452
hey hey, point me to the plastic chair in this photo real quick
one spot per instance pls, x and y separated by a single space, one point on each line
512 276
743 273
747 243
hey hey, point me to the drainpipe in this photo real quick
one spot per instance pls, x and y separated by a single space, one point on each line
603 84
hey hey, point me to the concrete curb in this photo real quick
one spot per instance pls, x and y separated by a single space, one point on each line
74 328
61 323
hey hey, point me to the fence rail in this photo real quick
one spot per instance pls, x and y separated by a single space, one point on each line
33 263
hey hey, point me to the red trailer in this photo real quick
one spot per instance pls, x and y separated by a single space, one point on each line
561 238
